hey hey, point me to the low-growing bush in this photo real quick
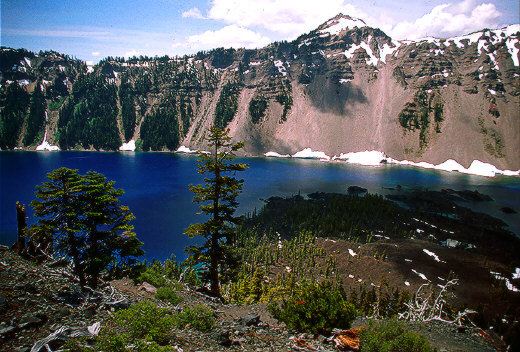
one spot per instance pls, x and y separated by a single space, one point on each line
153 274
316 308
198 317
143 324
168 294
144 327
392 336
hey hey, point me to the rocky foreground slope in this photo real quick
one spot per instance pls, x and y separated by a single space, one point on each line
344 87
41 305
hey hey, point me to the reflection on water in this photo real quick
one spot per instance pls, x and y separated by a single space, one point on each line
156 186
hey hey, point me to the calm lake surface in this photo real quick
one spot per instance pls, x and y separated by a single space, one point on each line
156 186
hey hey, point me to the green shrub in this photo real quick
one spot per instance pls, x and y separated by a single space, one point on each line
198 317
153 275
168 294
192 278
76 345
392 336
316 308
143 325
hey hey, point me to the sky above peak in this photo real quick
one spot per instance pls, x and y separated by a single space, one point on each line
94 29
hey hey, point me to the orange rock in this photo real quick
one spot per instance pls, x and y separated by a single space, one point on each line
348 339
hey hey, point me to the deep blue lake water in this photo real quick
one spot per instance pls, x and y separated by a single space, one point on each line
156 186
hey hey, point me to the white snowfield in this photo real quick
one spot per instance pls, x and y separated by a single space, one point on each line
184 149
422 276
46 146
130 146
506 280
276 155
308 153
368 158
433 255
516 274
377 158
334 27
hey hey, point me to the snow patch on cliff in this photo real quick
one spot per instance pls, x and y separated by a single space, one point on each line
45 145
368 158
377 158
388 50
371 60
308 153
335 26
276 155
130 146
513 48
184 149
477 167
279 65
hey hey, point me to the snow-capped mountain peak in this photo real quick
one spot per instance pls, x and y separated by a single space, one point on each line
340 23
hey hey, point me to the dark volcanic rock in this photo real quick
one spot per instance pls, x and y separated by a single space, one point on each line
250 320
32 320
356 190
508 210
3 301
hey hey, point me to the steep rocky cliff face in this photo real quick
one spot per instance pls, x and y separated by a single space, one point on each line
344 87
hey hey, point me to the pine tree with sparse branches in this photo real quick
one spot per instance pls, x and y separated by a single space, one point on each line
217 199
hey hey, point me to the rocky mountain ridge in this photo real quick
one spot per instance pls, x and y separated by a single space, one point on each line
344 87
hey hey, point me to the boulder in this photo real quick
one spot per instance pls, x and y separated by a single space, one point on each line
348 339
32 320
145 286
7 331
3 301
249 320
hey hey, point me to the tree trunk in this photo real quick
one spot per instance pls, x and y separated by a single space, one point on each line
213 267
22 225
78 269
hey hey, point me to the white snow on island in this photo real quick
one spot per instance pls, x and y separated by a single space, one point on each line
129 147
433 255
422 276
508 283
516 274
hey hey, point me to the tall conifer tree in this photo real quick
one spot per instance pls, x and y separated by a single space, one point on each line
217 199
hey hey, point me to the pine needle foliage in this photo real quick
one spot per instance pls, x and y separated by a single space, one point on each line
217 199
83 218
392 336
315 307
